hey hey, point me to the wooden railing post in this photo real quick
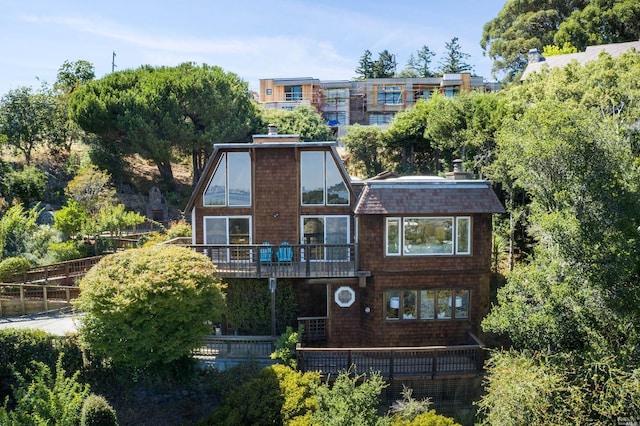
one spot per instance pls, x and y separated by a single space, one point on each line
44 298
434 364
22 307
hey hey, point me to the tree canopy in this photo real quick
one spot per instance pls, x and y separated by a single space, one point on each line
522 25
303 121
159 112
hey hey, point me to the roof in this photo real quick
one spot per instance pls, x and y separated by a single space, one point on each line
590 54
427 195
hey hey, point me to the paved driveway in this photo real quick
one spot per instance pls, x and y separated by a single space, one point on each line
59 323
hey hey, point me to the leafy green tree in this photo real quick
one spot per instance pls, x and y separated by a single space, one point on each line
303 121
26 185
365 145
425 57
30 120
553 50
455 60
148 307
601 22
15 227
71 219
158 112
72 75
115 219
91 188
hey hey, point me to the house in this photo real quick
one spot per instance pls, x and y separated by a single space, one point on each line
365 102
391 261
537 62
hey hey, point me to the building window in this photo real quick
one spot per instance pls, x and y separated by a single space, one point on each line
389 95
230 184
327 237
335 117
422 94
433 304
381 118
451 91
292 93
345 296
321 181
423 236
269 92
228 230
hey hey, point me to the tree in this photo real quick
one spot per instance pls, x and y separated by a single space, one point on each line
91 188
600 22
16 225
303 121
158 112
425 56
71 219
365 145
365 66
149 306
27 185
411 69
553 50
454 60
29 120
72 75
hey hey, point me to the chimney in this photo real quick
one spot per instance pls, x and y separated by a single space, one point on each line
273 129
458 173
534 56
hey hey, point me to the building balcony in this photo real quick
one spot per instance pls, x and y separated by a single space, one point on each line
282 261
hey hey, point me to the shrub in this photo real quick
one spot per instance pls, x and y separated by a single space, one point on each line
18 348
27 185
45 399
149 306
179 229
67 250
96 411
286 346
12 268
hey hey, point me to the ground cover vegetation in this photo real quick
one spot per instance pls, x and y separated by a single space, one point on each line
562 149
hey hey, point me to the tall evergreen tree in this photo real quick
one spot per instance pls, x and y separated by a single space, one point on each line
455 59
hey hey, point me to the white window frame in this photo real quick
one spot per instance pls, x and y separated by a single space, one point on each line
227 218
402 250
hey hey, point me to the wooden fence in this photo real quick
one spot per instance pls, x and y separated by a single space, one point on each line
56 273
22 299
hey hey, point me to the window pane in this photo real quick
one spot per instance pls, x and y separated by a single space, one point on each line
239 179
427 304
392 304
215 229
463 235
312 177
215 193
462 304
337 192
239 234
393 236
313 233
409 307
337 232
428 235
444 304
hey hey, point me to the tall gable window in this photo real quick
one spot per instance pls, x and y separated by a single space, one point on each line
230 184
328 237
321 181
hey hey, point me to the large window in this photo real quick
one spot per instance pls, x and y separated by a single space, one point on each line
327 237
320 180
381 118
230 184
416 236
389 95
432 304
293 93
231 230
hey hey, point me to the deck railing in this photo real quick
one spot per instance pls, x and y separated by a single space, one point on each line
56 273
414 362
237 346
14 297
293 260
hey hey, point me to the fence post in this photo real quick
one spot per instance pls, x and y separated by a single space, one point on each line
434 364
22 308
44 298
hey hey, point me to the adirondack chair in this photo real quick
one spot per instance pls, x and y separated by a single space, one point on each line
266 253
284 253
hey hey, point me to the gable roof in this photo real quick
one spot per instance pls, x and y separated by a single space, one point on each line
590 54
427 195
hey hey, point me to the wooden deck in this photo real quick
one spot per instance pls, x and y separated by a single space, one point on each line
263 261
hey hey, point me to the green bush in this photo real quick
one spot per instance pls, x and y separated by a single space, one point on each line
18 348
12 268
43 399
27 185
67 250
148 307
285 349
179 229
96 411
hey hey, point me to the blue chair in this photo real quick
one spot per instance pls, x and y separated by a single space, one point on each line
284 253
266 253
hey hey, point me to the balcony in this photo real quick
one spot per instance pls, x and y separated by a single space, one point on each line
290 261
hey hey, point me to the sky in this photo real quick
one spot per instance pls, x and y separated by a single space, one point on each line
323 39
